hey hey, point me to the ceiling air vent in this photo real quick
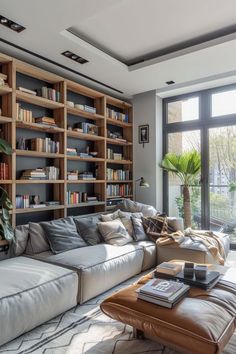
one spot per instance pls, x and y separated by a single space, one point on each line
74 57
171 82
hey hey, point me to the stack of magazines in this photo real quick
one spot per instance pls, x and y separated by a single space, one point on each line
163 292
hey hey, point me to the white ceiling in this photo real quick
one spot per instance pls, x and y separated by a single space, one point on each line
127 29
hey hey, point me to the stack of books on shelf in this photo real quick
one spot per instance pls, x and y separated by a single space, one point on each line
120 175
71 151
73 197
23 115
91 199
49 93
72 175
83 107
4 170
116 136
163 292
85 176
86 128
117 115
26 201
38 144
46 173
47 121
111 155
89 109
114 190
3 79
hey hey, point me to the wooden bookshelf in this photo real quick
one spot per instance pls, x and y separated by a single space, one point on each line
20 74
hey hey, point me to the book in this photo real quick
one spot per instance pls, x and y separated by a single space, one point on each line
161 288
23 89
169 268
35 206
159 302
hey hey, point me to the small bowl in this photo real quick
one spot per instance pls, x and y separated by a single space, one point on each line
79 106
93 153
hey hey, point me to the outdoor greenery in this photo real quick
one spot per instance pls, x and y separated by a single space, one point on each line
187 168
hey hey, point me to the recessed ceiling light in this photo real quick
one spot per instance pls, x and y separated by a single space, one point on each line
74 57
170 82
11 24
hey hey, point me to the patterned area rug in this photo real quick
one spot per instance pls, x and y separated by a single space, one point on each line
86 330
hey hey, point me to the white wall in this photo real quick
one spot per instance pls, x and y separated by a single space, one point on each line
147 109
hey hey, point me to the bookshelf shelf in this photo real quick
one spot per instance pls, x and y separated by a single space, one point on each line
5 120
20 74
38 127
85 159
82 113
113 121
119 196
5 181
83 136
38 154
119 181
118 142
39 181
34 210
120 162
80 205
37 100
85 182
4 90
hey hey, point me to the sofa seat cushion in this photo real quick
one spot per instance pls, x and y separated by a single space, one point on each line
101 267
31 293
150 254
189 250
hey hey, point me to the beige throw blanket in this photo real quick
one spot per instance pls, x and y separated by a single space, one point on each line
210 240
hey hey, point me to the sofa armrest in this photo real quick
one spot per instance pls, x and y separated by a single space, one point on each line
176 223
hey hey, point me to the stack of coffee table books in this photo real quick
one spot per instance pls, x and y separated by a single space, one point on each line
163 292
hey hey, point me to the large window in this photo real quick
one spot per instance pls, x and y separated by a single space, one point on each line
206 122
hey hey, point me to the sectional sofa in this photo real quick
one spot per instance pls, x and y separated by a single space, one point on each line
38 280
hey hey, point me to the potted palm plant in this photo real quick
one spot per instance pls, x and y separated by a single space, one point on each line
187 167
6 230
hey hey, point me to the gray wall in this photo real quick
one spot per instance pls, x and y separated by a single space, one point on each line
147 109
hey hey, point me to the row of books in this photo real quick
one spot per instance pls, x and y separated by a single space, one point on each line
117 115
46 173
38 144
4 170
28 201
111 155
45 92
23 115
3 80
83 107
121 175
75 175
114 190
86 128
79 197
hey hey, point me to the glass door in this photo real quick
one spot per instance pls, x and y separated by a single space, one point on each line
222 180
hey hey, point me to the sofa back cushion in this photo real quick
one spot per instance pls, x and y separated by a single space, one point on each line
114 232
20 240
88 229
62 235
37 241
135 207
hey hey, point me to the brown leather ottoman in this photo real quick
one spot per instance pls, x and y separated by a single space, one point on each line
202 323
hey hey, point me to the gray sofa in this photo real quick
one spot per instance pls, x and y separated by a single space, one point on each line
48 284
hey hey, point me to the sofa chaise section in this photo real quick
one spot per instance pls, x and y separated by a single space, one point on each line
100 267
31 293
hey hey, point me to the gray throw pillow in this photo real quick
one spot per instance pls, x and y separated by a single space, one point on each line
62 235
126 220
88 229
37 242
139 233
114 232
20 240
135 207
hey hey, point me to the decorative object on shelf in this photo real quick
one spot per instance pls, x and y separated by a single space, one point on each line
3 79
69 127
84 197
79 106
25 90
70 104
143 134
187 167
142 184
